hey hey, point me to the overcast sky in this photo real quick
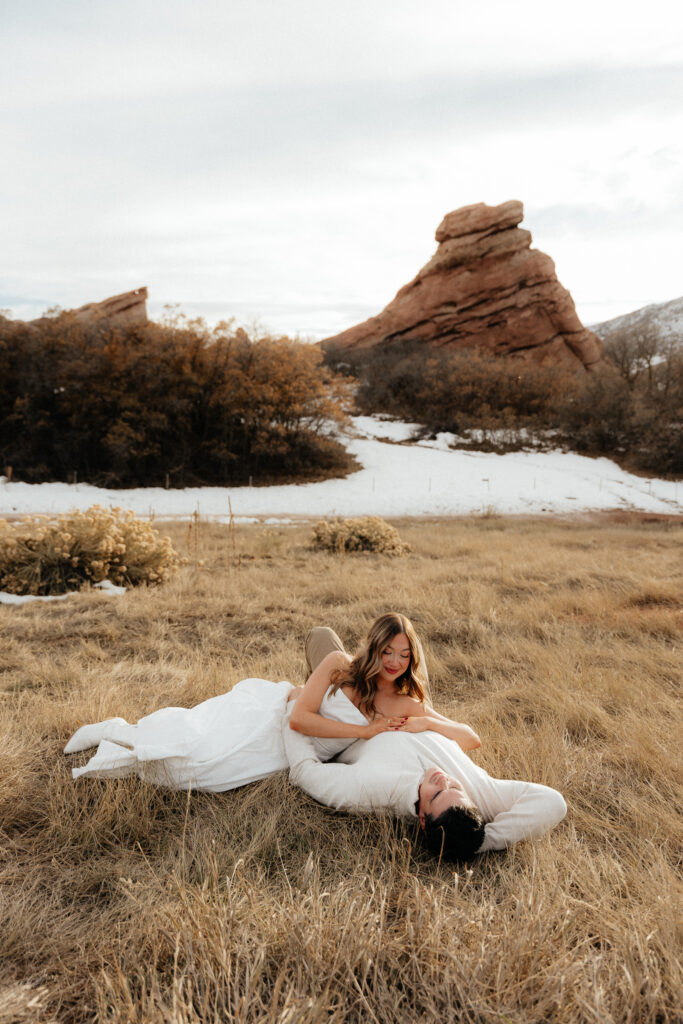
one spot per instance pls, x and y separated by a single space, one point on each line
289 160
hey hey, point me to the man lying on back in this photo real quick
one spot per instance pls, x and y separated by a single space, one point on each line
462 810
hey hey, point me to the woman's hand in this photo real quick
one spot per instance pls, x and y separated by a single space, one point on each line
415 723
464 736
382 725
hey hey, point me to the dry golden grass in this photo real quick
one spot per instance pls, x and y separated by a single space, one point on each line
556 640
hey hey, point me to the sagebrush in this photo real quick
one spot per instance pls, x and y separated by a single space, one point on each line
366 533
42 555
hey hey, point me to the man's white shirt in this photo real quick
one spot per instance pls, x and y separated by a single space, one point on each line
384 773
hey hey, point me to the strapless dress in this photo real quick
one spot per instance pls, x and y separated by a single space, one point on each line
224 742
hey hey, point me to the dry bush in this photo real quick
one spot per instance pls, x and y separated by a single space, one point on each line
174 403
456 391
367 533
121 902
632 412
42 555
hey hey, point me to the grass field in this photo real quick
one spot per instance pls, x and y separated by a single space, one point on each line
556 640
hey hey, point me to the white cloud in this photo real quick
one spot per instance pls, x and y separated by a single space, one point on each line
277 157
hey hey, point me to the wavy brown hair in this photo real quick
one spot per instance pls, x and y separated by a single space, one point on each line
364 669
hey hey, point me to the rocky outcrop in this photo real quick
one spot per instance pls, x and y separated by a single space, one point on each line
485 288
125 309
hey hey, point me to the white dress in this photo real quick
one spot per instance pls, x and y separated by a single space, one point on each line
222 743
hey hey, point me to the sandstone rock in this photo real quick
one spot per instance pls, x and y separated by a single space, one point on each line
127 308
484 288
479 217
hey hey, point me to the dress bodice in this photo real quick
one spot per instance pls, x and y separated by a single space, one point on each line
340 708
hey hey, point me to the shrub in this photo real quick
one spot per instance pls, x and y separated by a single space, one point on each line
52 556
368 533
594 415
175 402
631 411
455 391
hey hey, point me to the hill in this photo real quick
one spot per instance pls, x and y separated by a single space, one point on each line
663 320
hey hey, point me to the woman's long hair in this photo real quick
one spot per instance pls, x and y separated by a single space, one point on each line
363 671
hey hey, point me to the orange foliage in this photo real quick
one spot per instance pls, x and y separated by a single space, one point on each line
127 407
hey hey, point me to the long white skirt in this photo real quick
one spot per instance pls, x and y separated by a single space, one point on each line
225 742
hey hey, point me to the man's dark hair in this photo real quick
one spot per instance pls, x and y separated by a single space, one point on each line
456 834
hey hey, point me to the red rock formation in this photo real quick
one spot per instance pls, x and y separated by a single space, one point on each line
125 309
484 288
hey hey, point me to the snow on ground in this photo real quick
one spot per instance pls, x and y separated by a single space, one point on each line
398 478
106 587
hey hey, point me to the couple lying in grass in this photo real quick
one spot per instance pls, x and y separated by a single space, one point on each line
370 713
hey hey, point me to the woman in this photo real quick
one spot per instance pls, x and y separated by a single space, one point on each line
386 680
235 738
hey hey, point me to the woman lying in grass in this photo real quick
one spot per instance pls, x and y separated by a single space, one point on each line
236 737
386 679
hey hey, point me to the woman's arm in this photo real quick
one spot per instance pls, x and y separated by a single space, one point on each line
305 715
423 718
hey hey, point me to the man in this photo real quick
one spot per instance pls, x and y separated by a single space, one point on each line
462 810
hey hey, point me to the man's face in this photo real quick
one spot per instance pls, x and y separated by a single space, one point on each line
438 792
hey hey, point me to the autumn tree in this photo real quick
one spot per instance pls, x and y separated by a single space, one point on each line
133 406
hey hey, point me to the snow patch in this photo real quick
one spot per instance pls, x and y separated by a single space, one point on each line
422 478
384 429
6 598
105 587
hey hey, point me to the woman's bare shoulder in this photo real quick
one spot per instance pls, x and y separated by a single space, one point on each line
332 662
336 659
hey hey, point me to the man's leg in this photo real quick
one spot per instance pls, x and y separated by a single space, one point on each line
320 642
